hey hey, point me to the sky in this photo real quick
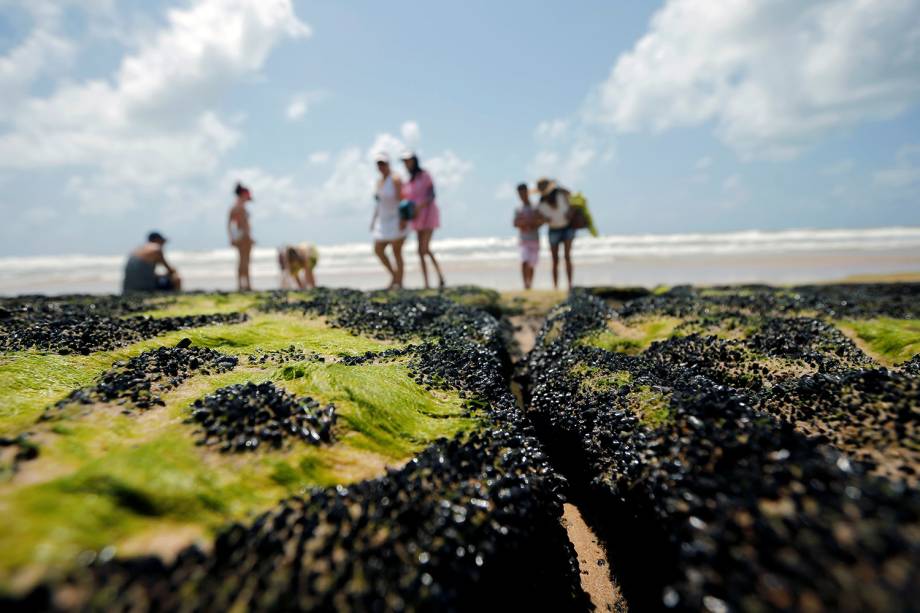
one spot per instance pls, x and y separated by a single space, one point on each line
122 116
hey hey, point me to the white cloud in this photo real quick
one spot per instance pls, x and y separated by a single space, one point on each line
296 109
552 129
151 123
703 163
906 169
448 170
301 103
271 194
349 187
568 167
318 158
41 51
411 134
773 75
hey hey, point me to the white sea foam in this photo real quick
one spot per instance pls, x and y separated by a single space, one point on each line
215 268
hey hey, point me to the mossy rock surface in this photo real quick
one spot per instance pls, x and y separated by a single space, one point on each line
113 476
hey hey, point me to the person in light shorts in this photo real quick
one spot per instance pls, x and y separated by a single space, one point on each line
528 221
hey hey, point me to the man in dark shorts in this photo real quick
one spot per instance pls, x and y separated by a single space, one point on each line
141 268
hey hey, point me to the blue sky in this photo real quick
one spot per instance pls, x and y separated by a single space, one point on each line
677 116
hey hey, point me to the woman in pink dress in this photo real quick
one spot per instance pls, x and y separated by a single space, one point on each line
420 190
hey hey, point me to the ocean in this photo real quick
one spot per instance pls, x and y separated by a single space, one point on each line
787 256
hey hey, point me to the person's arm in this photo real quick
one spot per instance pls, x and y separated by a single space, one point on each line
161 259
230 226
282 264
562 201
427 188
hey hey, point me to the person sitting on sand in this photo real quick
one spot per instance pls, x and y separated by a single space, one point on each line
140 269
241 235
528 221
297 263
554 206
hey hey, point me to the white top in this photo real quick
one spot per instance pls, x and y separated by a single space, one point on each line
557 216
387 226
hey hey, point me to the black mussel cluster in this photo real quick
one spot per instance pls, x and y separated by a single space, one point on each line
912 366
84 327
139 381
395 315
873 415
13 450
465 525
371 357
706 498
242 417
283 356
814 342
901 300
472 522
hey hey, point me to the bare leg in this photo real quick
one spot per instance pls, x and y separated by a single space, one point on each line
243 271
400 266
380 249
310 277
423 237
524 274
568 261
554 251
437 267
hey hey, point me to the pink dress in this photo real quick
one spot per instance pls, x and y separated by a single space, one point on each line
421 190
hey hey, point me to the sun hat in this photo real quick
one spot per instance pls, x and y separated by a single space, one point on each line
407 154
544 185
381 156
156 237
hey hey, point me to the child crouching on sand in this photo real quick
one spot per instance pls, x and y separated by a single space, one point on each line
528 221
297 263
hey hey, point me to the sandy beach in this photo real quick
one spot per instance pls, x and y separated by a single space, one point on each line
783 257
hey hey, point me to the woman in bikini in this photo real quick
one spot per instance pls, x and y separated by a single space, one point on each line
241 235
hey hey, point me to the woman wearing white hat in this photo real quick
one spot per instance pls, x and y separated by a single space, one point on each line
387 227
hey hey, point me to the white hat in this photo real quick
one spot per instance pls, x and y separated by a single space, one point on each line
381 156
407 154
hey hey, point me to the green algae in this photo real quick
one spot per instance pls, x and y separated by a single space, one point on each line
385 410
650 406
104 476
135 480
30 380
890 341
595 379
202 304
632 336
